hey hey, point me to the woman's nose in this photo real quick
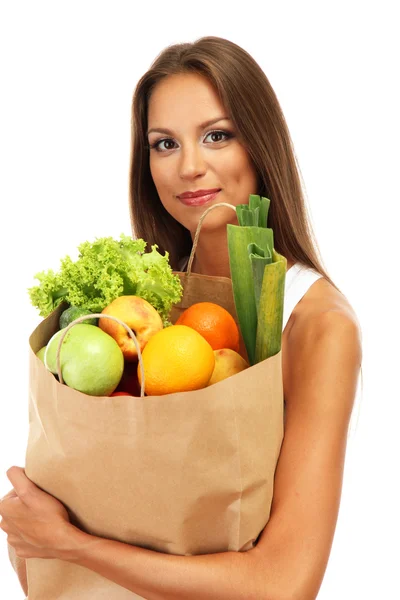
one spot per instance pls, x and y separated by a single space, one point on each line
192 162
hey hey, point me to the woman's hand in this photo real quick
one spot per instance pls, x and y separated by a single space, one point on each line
36 524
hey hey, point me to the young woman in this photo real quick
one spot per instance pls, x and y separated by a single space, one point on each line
207 128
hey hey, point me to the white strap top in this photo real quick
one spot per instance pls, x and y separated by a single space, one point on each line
298 281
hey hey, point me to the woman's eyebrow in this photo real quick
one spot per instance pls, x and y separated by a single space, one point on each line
202 126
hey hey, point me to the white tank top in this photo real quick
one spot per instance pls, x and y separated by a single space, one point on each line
298 281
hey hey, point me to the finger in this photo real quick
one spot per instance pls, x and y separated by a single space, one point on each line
4 525
14 540
23 486
11 494
5 503
8 527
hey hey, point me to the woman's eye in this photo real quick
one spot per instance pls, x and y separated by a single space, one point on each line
163 145
213 137
217 136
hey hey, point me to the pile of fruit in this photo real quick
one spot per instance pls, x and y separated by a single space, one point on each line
101 359
118 278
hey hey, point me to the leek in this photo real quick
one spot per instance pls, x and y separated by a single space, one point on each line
258 275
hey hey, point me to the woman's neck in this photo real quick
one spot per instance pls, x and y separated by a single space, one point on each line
211 257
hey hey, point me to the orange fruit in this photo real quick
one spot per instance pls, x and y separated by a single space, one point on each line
176 359
214 323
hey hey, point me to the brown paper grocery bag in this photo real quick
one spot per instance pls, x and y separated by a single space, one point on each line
186 473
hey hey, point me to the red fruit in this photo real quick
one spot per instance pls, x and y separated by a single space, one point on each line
129 381
120 394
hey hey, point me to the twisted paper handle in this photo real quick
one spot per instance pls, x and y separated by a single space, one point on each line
196 237
102 316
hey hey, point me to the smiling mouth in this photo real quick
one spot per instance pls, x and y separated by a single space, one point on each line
196 200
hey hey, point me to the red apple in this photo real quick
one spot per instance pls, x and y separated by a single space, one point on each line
129 383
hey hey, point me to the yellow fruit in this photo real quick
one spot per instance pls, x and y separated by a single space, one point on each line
227 363
176 359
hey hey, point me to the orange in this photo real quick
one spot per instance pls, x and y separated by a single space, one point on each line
214 323
176 359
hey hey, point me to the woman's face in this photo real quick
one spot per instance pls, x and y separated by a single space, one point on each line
194 148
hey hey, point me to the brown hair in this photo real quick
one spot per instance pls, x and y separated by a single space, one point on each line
257 116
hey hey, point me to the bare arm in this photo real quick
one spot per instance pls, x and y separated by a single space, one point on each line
290 559
158 576
324 361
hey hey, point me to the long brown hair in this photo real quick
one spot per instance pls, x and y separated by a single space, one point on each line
257 116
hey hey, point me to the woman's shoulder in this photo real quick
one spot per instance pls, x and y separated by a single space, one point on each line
323 299
318 298
322 308
324 338
322 311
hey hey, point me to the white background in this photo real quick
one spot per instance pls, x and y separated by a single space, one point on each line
68 71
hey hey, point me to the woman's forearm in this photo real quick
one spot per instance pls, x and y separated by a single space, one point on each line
158 576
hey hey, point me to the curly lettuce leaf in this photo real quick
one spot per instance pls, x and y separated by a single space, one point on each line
106 269
49 294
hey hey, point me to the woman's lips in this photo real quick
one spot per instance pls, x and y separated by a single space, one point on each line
198 200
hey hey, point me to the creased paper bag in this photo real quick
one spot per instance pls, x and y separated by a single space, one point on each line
186 473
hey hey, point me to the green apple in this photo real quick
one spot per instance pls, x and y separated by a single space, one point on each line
91 360
40 353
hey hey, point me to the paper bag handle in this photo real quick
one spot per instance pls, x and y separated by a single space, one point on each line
196 237
102 316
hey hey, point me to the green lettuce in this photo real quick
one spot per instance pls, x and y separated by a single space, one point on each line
105 269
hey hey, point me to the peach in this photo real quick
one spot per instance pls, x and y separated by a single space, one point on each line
139 315
227 363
